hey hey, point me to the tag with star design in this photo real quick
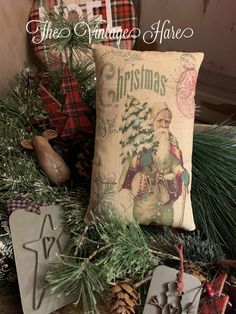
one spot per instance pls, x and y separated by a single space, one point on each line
38 241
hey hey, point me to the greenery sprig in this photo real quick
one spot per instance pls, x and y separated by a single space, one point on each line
213 188
76 36
124 250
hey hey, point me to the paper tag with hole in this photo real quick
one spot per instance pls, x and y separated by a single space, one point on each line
38 240
163 297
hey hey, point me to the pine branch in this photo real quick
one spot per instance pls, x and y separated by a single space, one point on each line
81 277
18 171
74 46
75 204
196 248
125 250
98 251
129 254
214 181
9 136
20 175
24 102
142 282
103 196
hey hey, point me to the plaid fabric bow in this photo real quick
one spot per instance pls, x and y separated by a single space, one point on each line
72 118
21 202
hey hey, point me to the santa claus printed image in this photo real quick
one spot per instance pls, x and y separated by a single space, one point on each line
155 177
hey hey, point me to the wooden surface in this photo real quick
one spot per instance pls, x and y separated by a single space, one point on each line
10 302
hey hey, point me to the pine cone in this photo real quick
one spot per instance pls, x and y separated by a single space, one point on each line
124 299
195 270
85 157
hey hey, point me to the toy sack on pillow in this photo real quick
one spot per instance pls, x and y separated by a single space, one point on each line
144 135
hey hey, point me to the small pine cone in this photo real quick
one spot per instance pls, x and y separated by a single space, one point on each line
84 159
124 298
195 270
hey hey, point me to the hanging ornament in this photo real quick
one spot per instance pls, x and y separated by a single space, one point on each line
164 297
74 107
38 244
7 262
70 118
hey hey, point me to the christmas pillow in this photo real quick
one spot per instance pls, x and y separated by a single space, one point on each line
144 135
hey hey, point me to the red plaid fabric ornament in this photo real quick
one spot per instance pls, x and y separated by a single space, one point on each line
218 304
74 108
42 51
122 13
71 118
22 202
57 119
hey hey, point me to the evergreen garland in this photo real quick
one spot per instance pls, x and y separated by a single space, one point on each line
125 251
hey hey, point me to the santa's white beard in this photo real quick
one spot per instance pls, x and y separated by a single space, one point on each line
163 150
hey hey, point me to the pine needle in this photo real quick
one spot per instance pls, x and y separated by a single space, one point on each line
83 278
213 188
197 249
129 254
75 43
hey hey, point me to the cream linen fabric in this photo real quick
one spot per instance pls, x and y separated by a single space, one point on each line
144 134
